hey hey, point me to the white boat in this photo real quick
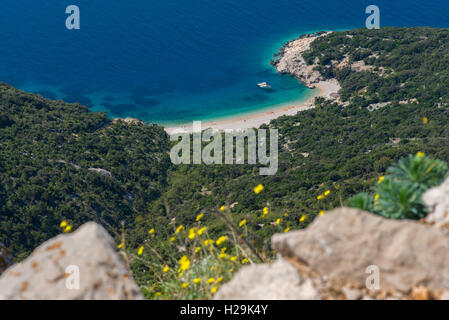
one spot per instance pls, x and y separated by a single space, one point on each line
264 85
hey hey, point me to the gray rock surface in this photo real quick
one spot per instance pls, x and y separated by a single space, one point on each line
5 258
279 280
437 202
344 242
52 270
338 255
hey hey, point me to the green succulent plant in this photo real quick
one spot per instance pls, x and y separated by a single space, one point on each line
420 169
399 199
362 201
398 194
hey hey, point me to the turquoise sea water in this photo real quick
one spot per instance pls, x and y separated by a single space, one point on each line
179 60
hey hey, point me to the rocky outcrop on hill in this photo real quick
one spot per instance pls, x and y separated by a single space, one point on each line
81 265
351 254
5 258
100 171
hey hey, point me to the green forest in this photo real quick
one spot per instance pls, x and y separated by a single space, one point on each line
51 153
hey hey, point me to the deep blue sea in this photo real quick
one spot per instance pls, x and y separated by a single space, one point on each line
173 61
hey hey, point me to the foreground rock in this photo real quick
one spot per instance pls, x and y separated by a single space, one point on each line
277 281
53 269
344 242
5 258
342 253
437 202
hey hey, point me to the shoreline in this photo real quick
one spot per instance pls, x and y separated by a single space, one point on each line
288 60
256 119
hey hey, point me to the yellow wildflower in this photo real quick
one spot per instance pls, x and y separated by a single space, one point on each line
151 231
242 223
221 240
196 280
166 269
192 234
286 230
278 221
172 239
140 251
63 224
234 258
380 179
245 261
303 217
258 189
326 193
120 246
178 230
210 280
420 154
265 211
214 289
201 231
231 270
184 285
184 263
222 208
157 294
376 197
321 196
197 249
208 242
222 256
199 217
321 213
212 268
223 250
219 280
68 228
425 120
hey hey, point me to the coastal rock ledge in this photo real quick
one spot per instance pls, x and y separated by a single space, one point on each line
350 254
82 265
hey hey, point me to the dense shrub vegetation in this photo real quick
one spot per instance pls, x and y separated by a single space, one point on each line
327 155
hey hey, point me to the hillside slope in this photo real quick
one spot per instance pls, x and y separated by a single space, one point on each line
393 102
50 153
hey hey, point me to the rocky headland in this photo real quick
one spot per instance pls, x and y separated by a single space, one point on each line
289 60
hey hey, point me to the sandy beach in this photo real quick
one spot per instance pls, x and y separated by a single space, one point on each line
255 120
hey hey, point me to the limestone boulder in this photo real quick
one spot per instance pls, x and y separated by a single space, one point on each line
277 281
350 245
82 265
437 202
